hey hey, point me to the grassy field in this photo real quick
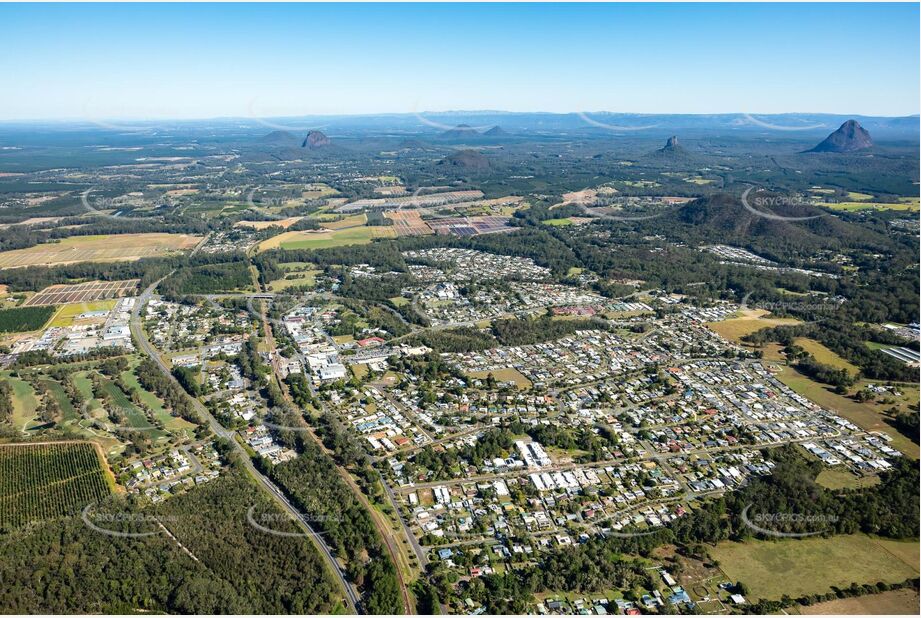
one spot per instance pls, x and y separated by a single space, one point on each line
700 181
866 415
351 221
893 602
295 278
326 239
508 374
750 321
68 413
317 190
843 479
66 314
825 356
557 222
172 423
261 225
102 248
134 416
910 205
25 403
771 569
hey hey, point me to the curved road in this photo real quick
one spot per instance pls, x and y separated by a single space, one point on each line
145 346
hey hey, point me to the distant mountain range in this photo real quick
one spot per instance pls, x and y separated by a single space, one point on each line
523 125
786 126
466 131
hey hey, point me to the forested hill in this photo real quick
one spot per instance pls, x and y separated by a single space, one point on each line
785 228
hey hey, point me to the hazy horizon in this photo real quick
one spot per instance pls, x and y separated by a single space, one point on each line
455 112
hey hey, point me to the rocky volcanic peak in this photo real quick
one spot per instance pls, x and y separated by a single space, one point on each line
461 130
278 137
315 139
466 159
671 150
496 131
849 137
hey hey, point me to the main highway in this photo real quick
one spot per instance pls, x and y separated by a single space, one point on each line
140 337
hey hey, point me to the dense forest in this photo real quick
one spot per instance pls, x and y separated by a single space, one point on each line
207 279
316 488
231 567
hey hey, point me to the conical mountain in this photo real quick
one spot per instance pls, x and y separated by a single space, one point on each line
849 137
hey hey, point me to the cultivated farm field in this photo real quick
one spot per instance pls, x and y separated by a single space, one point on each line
82 292
43 481
100 248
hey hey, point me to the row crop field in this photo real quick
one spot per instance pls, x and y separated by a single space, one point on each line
43 481
24 319
62 294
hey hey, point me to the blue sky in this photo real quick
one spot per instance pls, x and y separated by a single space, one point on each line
210 60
